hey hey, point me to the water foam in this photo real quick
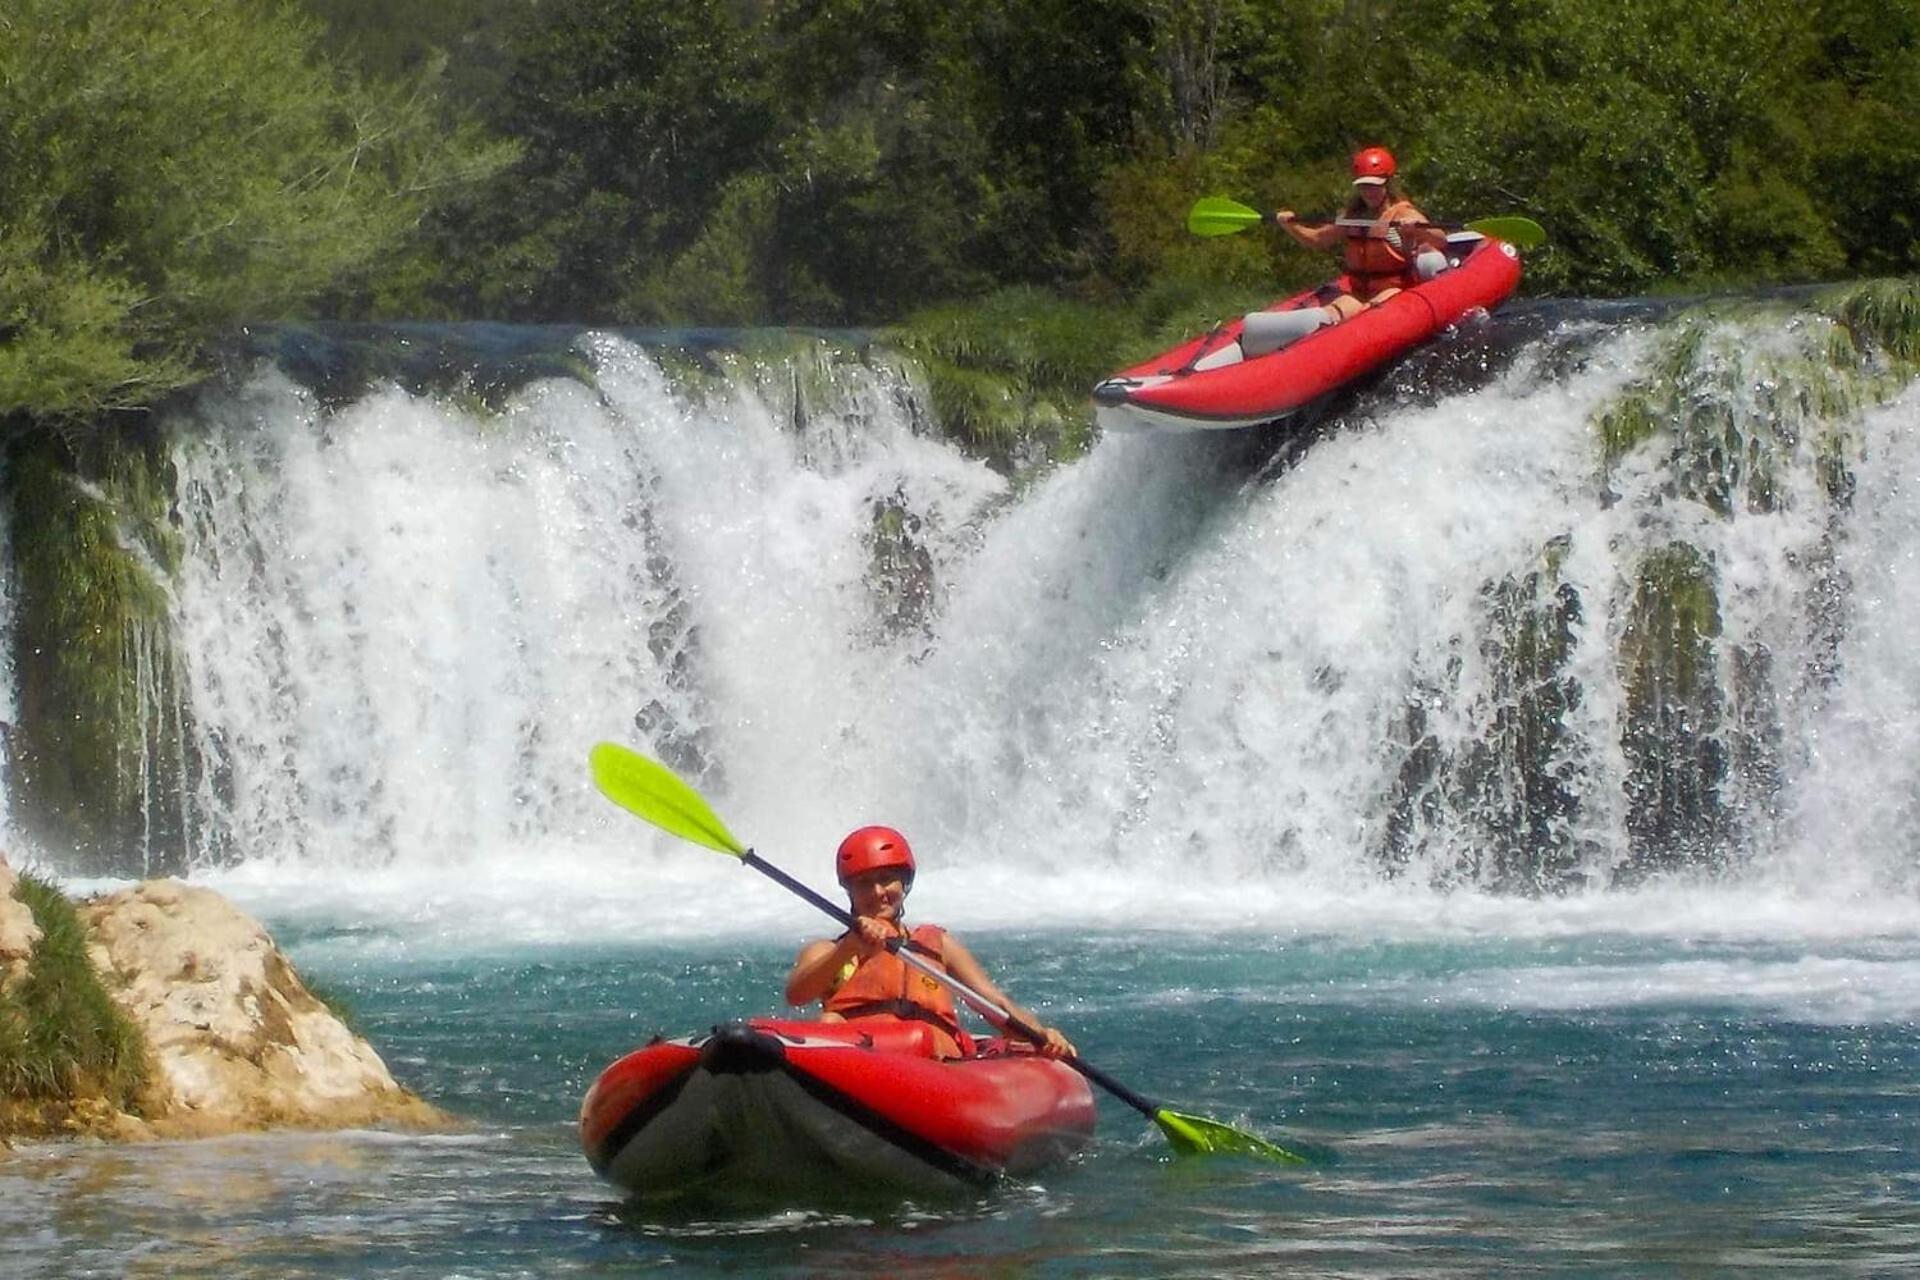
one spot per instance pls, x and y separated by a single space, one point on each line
1159 687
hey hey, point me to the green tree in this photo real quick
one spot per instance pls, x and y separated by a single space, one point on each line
393 39
1862 114
634 116
820 161
167 171
1660 141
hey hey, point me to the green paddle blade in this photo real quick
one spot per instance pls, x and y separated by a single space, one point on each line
648 789
1197 1136
1521 233
1219 216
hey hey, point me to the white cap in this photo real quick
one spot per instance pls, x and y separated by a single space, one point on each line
1369 182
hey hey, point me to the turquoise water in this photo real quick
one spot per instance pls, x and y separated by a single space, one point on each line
1478 1106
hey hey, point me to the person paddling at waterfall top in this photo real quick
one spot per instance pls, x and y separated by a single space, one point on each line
855 976
1387 243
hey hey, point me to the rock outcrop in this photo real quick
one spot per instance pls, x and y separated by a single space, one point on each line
237 1041
18 931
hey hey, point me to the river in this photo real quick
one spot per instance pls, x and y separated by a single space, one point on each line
1217 755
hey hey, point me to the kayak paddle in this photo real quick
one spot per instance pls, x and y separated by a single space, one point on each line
648 789
1218 216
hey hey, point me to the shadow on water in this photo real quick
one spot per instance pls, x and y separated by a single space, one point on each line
715 1213
340 363
868 1233
1097 1208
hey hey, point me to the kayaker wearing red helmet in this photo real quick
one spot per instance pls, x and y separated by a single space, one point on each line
1387 248
855 976
1395 250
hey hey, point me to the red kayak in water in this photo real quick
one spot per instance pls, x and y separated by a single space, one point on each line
1167 393
769 1107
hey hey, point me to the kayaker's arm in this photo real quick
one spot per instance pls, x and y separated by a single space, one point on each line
816 967
1326 236
819 966
961 964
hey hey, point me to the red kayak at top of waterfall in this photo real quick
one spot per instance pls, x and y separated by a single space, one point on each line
1169 393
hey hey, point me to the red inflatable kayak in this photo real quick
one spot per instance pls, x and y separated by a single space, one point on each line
1166 393
766 1106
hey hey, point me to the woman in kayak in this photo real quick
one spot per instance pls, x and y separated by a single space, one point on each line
855 976
1387 243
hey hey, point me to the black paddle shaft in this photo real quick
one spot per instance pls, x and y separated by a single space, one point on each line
896 945
780 877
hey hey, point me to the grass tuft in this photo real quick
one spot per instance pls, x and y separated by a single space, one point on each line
1887 314
62 1039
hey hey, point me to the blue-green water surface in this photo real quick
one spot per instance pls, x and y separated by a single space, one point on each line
1590 1105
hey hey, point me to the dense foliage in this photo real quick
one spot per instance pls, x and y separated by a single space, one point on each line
840 161
169 170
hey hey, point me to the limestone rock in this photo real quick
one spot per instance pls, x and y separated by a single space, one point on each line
238 1042
18 932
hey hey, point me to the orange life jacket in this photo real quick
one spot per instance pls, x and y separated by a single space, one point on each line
883 985
1375 266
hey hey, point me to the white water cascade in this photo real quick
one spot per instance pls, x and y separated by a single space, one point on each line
1152 685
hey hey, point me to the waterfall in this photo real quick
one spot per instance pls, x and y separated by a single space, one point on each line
1854 818
1634 604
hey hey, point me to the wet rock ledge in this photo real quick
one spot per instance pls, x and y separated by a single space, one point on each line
229 1039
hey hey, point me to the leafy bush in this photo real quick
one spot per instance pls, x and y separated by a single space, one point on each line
169 170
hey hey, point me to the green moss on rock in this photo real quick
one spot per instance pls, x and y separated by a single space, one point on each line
901 579
1732 415
1672 731
64 1046
96 745
1883 315
1625 425
1511 787
1010 376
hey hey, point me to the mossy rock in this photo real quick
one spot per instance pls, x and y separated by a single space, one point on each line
1733 416
1884 316
99 745
67 1053
1505 800
1674 717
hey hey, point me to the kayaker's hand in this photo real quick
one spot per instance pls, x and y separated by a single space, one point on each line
1284 217
1056 1045
872 933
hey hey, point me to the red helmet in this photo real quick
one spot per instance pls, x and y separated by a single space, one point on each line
871 848
1375 164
